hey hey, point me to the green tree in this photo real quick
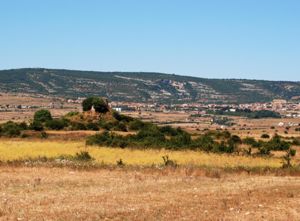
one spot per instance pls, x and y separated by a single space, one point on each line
99 104
87 103
42 116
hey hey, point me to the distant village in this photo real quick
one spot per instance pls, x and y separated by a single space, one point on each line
289 109
285 108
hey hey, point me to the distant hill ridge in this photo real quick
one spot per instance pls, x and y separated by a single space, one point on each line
144 86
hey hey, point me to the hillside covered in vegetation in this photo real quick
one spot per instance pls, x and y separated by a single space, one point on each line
143 87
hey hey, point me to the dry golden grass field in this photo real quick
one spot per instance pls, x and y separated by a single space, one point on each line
40 193
23 149
203 187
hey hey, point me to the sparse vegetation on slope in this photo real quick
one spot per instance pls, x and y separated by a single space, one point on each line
142 87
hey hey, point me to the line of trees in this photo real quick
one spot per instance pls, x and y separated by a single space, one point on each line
247 113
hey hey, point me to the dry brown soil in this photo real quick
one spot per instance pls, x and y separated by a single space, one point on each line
145 194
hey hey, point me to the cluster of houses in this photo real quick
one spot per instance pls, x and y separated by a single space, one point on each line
10 107
290 109
23 107
285 108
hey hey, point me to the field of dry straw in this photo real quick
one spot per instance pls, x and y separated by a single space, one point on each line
23 149
188 192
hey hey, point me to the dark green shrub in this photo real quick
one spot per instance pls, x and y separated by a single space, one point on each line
120 127
136 125
264 150
219 134
152 131
220 148
65 121
36 125
121 117
83 156
235 139
265 136
250 141
293 152
168 130
77 126
106 139
150 137
277 144
23 125
230 147
10 129
204 142
42 116
226 134
180 140
92 126
264 114
55 124
109 125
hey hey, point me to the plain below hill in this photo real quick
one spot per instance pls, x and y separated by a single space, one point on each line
144 86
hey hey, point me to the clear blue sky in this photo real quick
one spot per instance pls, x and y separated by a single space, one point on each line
213 38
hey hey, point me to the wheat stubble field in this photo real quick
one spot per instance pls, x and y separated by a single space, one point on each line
41 193
203 186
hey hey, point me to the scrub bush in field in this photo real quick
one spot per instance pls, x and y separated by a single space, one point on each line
120 127
77 126
36 125
169 131
136 125
23 125
276 143
265 136
152 136
55 124
92 126
120 163
83 156
205 143
121 117
251 141
10 129
168 161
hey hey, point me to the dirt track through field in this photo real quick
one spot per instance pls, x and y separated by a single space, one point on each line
127 194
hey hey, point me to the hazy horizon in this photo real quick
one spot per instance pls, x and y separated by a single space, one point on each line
231 39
